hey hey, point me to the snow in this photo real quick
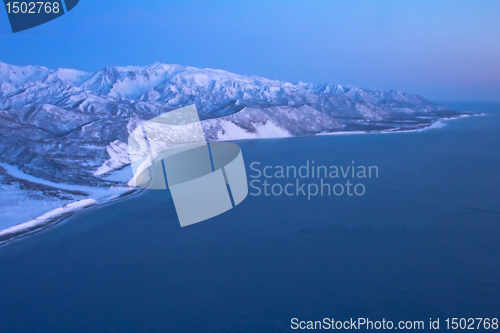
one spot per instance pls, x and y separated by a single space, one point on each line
231 131
13 200
67 76
43 219
136 87
90 190
119 157
436 125
18 75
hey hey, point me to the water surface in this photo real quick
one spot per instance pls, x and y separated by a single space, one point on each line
422 242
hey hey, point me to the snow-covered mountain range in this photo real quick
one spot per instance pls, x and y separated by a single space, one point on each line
69 126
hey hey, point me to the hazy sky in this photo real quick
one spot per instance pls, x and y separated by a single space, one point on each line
443 50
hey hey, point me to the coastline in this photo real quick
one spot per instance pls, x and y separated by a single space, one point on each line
436 125
58 215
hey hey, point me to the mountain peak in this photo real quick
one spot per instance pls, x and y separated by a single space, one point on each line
215 91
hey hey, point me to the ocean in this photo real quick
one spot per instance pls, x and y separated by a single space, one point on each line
421 243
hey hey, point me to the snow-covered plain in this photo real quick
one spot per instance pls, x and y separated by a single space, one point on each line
47 201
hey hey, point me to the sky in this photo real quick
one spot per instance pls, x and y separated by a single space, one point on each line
443 50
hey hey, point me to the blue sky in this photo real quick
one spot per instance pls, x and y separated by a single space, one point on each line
443 50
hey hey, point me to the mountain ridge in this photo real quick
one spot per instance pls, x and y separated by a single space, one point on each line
64 125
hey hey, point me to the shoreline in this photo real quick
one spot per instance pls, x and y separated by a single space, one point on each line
436 125
32 227
60 214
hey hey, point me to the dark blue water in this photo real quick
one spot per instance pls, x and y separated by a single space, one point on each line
424 241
